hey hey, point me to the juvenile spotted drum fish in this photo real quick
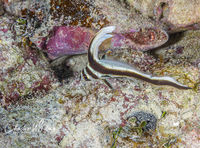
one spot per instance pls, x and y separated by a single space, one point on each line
106 68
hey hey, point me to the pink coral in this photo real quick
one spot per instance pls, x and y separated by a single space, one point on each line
143 39
68 40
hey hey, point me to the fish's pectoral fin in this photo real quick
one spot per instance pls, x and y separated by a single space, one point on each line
105 76
108 84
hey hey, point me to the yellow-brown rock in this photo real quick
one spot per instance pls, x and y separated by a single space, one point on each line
176 14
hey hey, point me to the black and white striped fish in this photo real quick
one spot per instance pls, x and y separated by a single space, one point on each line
104 68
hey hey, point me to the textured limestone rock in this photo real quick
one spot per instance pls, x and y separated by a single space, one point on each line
176 14
144 6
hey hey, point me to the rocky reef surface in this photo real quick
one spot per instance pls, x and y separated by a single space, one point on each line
43 48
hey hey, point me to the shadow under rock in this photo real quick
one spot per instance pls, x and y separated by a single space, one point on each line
173 39
61 70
